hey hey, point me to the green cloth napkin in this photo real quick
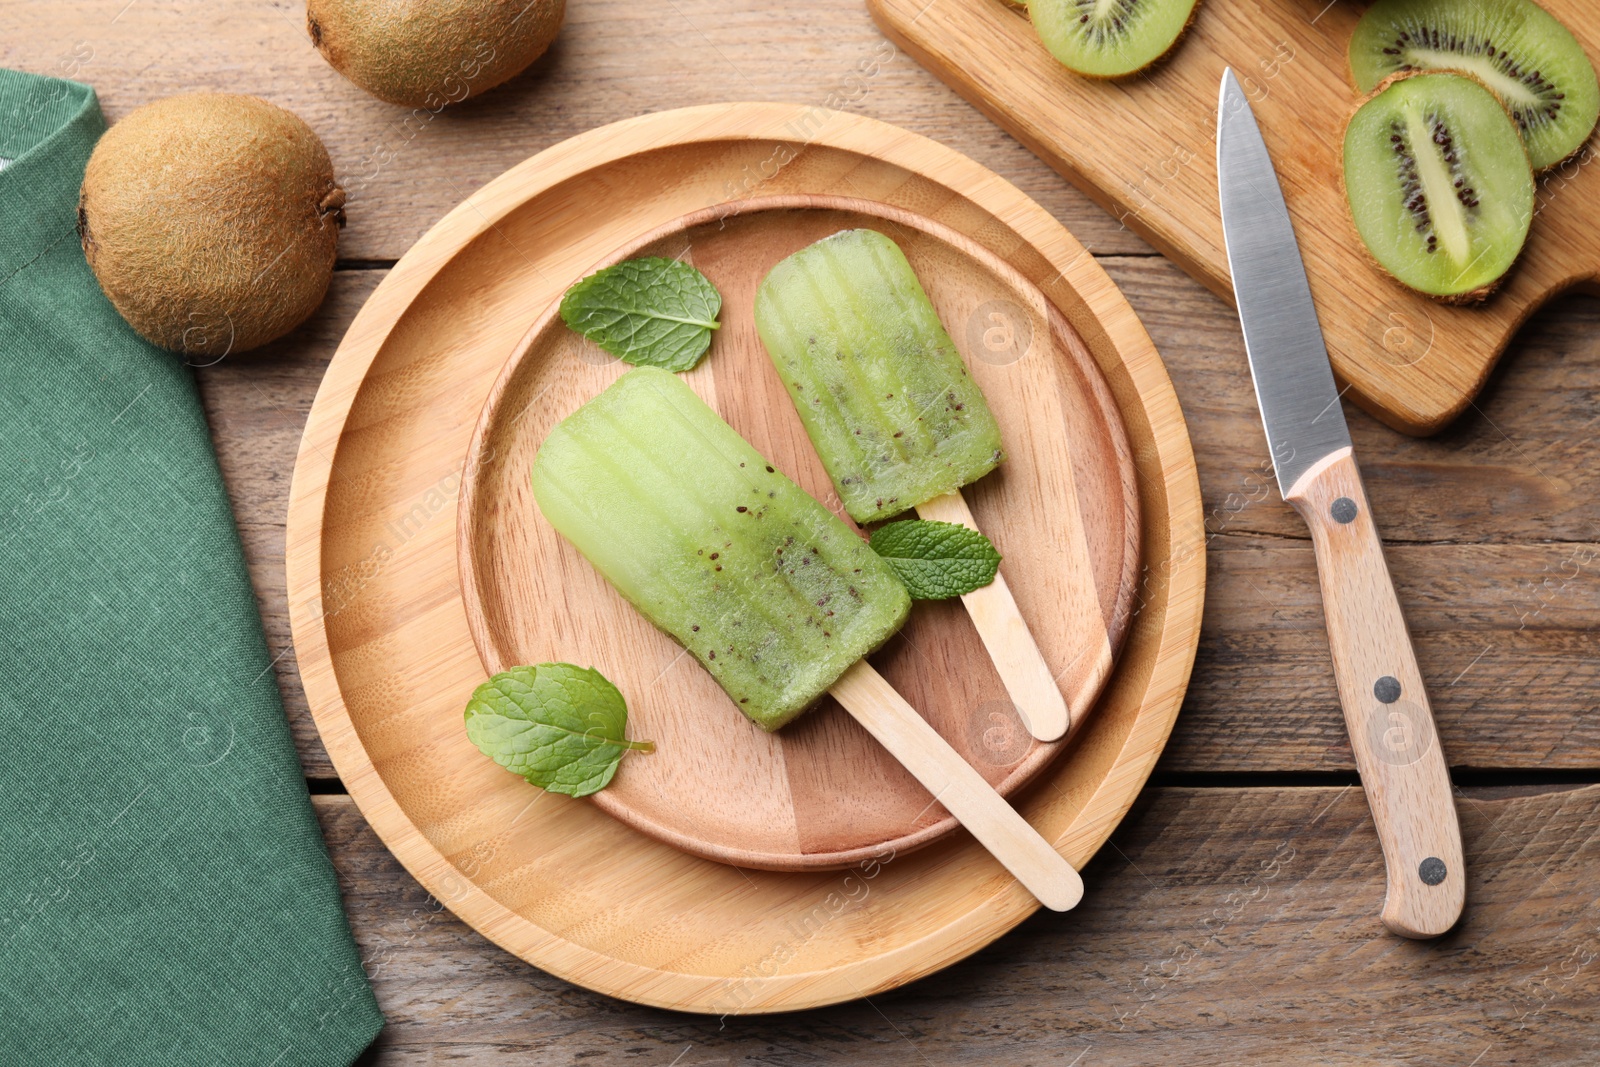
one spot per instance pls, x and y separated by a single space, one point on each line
165 897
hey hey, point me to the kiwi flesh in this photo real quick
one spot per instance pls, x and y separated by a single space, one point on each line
211 221
431 53
1514 47
1438 183
1110 38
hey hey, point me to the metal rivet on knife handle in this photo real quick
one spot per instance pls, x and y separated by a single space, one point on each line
1343 510
1432 870
1386 689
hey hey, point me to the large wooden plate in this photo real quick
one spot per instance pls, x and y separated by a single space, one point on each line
820 793
388 660
1145 148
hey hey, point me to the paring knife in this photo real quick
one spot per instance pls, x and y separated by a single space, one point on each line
1391 728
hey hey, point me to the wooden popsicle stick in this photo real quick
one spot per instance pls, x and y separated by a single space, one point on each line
1006 636
1045 873
1397 750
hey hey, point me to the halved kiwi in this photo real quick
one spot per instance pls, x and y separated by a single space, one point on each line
1531 61
1439 184
1110 38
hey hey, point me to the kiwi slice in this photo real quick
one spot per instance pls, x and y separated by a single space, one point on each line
1439 184
1110 38
1531 61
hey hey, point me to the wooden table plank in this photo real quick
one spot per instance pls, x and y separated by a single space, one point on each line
1225 926
1516 467
1490 528
613 59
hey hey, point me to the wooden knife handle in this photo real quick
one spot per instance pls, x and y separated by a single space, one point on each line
1045 873
1391 728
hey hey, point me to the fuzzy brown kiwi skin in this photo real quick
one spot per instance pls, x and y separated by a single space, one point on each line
1471 296
210 221
432 53
1155 61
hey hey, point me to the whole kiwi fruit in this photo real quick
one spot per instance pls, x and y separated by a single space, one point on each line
211 221
431 53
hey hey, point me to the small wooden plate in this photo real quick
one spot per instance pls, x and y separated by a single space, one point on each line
1063 510
388 660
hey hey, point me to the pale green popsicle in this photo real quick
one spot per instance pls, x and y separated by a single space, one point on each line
773 594
877 381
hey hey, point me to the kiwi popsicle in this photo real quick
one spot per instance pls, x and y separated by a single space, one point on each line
773 594
877 381
769 590
897 419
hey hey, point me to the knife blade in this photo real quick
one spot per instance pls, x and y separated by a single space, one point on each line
1386 710
1283 339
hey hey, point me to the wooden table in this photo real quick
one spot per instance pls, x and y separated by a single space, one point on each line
1233 917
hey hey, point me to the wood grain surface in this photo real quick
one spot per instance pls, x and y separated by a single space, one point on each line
1063 509
1181 952
1227 927
1146 148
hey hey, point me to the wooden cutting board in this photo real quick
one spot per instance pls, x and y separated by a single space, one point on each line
1063 509
387 655
1145 149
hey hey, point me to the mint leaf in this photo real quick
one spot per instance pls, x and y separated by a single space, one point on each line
561 727
937 560
649 312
